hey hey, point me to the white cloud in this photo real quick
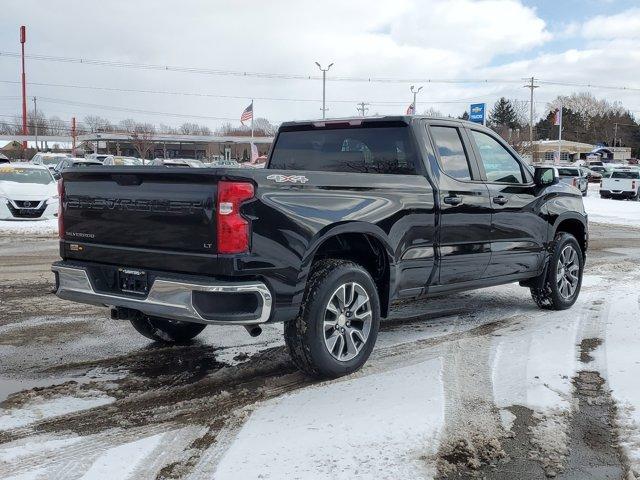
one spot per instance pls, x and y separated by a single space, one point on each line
622 25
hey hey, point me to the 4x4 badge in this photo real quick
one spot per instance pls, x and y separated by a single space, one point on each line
278 178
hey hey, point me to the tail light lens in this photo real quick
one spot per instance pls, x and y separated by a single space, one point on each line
233 229
633 184
60 209
574 182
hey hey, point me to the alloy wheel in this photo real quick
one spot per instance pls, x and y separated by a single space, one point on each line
567 272
347 321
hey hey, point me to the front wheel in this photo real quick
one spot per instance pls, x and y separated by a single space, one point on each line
166 331
560 287
337 327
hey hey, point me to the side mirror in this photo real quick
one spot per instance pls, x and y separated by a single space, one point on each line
545 176
57 175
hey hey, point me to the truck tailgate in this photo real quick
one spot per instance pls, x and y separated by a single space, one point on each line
146 207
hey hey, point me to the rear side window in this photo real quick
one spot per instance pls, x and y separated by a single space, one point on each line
628 175
453 157
568 172
369 149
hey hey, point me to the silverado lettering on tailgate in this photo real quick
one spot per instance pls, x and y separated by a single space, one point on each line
173 207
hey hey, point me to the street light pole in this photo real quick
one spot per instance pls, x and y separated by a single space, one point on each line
415 94
324 83
35 120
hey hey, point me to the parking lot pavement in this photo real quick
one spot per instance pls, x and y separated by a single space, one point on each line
474 384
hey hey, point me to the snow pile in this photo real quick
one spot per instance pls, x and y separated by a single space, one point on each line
38 228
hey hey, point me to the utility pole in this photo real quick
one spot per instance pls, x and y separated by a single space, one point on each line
362 108
23 39
73 136
35 120
324 84
415 94
531 86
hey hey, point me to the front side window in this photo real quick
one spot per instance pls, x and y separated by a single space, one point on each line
499 164
453 157
367 149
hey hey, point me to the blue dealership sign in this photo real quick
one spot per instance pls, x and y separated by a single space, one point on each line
476 112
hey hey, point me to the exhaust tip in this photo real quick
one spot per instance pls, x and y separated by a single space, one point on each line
254 330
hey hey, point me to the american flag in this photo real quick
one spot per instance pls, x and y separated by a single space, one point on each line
410 109
247 114
557 117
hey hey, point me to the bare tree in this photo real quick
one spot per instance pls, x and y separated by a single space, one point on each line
142 138
167 129
57 126
96 123
189 128
128 125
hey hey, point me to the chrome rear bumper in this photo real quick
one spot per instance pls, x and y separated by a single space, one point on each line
166 298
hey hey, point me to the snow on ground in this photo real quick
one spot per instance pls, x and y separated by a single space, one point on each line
358 428
610 211
122 461
619 356
43 409
39 228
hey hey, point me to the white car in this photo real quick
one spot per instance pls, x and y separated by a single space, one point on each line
27 192
48 159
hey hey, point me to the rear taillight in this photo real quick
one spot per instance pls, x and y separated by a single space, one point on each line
60 209
574 182
633 184
233 228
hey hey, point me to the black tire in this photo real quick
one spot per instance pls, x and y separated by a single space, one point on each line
305 335
548 296
584 194
166 331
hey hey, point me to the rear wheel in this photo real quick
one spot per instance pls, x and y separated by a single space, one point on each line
165 330
560 286
337 328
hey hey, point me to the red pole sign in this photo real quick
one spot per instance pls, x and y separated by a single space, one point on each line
23 39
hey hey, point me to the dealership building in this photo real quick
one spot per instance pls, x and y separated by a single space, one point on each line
210 147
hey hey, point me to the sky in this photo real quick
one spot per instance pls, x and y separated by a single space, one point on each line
396 44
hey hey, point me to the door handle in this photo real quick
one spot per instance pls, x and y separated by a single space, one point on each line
500 200
453 200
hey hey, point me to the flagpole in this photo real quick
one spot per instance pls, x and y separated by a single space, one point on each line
251 146
560 136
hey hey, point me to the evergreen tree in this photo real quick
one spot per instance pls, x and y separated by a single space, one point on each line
464 116
503 115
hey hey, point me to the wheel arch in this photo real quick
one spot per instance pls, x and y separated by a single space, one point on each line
576 226
362 243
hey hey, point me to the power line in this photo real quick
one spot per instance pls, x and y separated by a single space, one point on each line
240 73
289 76
235 97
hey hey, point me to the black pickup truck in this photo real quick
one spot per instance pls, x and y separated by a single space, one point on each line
348 216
